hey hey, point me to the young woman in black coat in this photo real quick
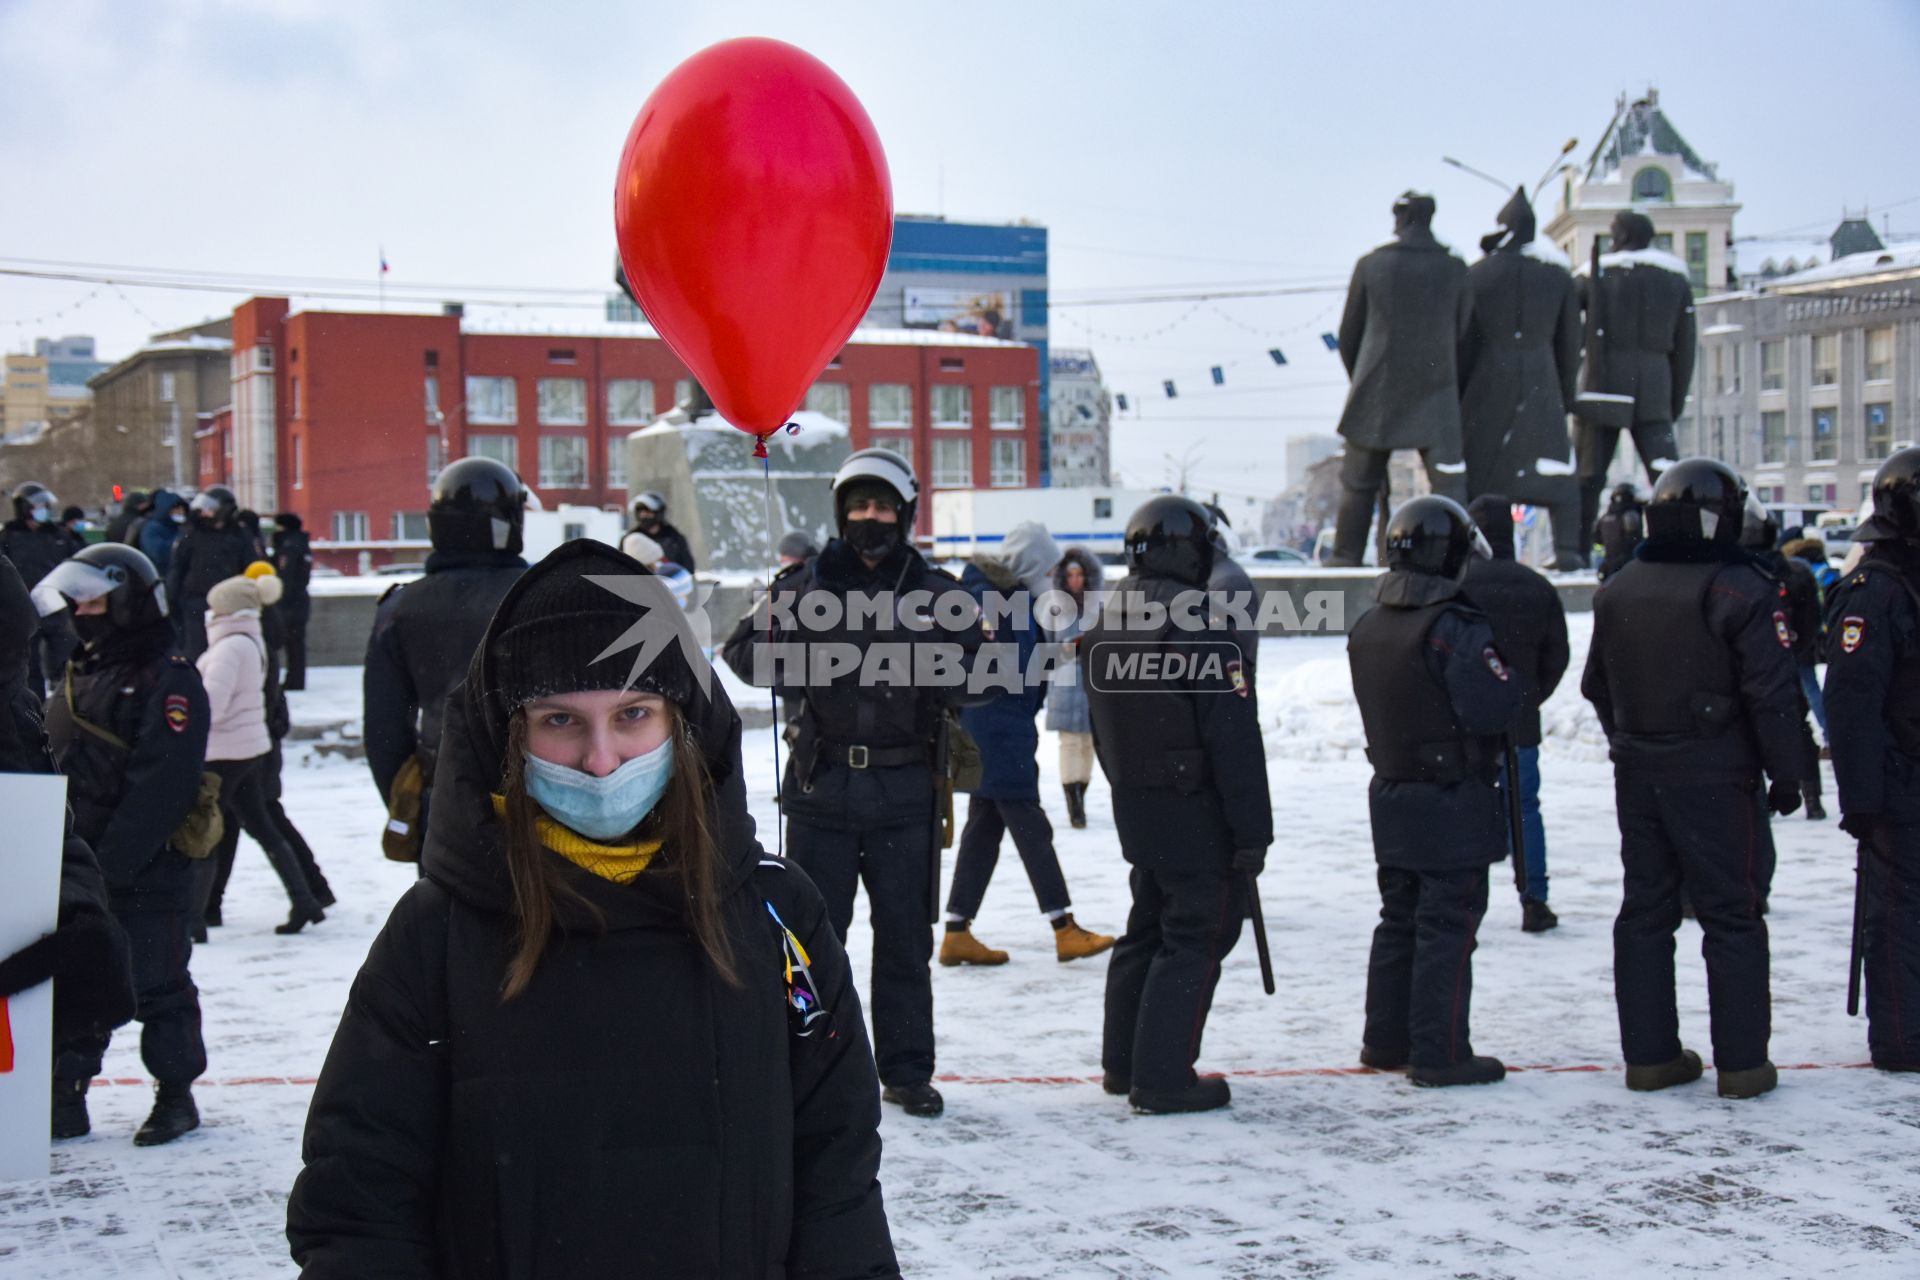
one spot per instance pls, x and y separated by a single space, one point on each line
605 1034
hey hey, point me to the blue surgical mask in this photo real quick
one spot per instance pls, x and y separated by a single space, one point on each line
601 808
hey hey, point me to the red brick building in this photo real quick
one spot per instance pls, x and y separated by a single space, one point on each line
344 417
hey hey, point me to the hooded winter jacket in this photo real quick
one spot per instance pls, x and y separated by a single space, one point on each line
158 532
1067 700
234 670
629 1114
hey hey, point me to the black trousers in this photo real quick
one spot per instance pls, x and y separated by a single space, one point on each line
191 620
168 1004
1890 939
294 615
244 805
1161 979
1362 472
1420 974
987 821
1710 838
1594 448
896 863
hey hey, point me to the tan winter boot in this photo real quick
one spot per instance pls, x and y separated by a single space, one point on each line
961 947
1071 942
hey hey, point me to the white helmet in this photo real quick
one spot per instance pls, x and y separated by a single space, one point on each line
877 465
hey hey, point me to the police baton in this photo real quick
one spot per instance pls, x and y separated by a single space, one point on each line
1516 831
1856 957
1260 932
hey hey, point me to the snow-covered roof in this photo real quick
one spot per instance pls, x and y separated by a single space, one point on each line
813 426
513 325
1899 260
1757 256
191 342
1642 128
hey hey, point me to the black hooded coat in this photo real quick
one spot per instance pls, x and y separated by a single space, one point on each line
629 1113
1518 367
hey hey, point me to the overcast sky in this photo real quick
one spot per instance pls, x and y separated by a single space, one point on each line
1218 143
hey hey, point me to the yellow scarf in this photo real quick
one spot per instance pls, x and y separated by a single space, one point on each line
619 863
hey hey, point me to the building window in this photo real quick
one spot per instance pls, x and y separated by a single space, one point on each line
561 356
563 461
897 443
563 402
1664 242
834 399
1879 355
682 390
436 457
953 463
1819 494
294 384
1683 437
1826 441
617 463
501 448
349 526
1773 438
1719 371
492 401
630 401
889 404
431 387
1652 183
1717 442
1736 368
1826 359
1009 464
166 388
410 526
433 359
1737 440
1009 408
1697 258
1773 366
952 405
1879 431
299 463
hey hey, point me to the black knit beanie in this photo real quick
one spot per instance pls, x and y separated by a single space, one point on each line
1493 512
562 632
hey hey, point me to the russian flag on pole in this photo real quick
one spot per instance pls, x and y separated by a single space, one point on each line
383 261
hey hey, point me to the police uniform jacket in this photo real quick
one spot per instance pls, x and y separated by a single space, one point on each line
1873 684
1183 752
1691 670
1436 698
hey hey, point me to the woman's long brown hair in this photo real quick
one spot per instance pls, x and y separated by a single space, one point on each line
688 852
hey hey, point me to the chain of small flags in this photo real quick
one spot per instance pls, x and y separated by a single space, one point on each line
1217 374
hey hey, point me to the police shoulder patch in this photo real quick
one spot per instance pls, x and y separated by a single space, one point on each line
1236 673
1853 630
1781 630
176 711
1494 664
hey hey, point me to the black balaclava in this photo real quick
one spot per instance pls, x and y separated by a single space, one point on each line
1631 230
873 539
1494 514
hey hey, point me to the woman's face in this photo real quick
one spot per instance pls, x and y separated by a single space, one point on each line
1076 578
596 732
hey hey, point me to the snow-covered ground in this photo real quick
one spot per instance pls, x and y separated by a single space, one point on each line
1318 1169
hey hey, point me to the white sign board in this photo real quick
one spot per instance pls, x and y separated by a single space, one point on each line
34 809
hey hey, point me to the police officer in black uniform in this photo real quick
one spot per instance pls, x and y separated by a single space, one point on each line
292 557
860 787
1692 675
1799 595
1180 743
1621 530
214 547
35 540
650 518
1873 728
1435 699
425 632
130 734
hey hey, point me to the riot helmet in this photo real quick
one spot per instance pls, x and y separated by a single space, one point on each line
1171 537
135 596
478 504
1698 500
1896 500
1434 535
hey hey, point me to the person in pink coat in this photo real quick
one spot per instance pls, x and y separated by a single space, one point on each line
234 670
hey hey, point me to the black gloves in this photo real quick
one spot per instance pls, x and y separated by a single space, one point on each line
1860 826
1783 798
1251 861
89 953
30 966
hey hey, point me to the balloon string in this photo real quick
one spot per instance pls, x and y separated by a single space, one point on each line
773 690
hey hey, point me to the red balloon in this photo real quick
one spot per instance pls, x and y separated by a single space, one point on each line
754 213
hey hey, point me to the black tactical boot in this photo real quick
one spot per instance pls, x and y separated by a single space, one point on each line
300 917
1206 1093
1536 916
1750 1083
915 1099
1684 1069
173 1114
70 1119
1473 1071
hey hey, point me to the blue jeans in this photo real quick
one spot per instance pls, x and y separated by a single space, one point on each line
1532 826
1811 684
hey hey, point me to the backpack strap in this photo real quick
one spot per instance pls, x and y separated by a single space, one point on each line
107 736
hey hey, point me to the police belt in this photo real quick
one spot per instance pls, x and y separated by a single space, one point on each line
856 755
